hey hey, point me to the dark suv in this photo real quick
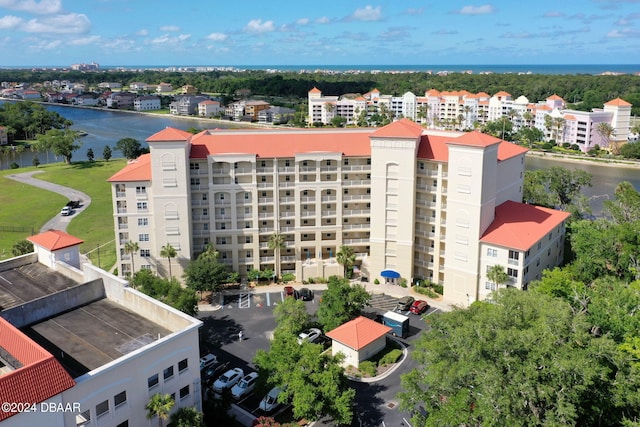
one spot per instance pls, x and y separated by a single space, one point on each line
404 304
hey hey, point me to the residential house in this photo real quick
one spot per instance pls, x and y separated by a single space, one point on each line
146 103
210 108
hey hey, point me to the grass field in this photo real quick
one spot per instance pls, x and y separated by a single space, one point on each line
30 207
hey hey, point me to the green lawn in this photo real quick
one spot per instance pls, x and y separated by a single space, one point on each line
27 206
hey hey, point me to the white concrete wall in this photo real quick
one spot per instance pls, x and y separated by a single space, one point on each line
350 355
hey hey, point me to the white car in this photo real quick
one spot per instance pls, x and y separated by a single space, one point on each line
228 379
66 211
245 385
207 360
270 401
311 335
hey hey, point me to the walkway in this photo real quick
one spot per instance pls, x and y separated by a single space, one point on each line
58 222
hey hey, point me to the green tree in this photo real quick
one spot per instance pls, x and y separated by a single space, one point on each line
338 121
22 247
61 142
187 417
626 205
168 252
106 153
500 128
132 249
36 161
341 302
524 359
560 283
559 188
205 273
316 385
129 147
497 275
90 154
291 316
606 132
346 257
159 406
529 135
276 243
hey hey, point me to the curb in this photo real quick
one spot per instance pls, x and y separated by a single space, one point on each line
405 354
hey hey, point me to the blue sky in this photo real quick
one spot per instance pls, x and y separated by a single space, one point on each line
302 32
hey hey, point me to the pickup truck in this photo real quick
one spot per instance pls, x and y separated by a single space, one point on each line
74 204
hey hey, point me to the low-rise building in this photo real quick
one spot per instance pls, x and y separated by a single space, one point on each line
146 103
276 115
75 337
210 108
358 340
164 88
186 105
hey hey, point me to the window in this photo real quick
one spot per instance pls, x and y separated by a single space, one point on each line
287 193
145 267
328 193
305 193
83 418
345 162
145 253
195 181
512 272
304 177
194 166
247 239
182 365
184 392
247 195
143 237
263 179
421 165
264 194
119 399
102 408
287 163
287 178
141 190
539 245
328 163
490 286
167 373
304 163
204 196
368 161
152 381
142 206
263 164
143 222
205 211
492 252
123 424
514 255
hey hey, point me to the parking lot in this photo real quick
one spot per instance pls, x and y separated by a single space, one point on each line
252 313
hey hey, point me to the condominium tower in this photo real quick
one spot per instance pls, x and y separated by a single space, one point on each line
412 203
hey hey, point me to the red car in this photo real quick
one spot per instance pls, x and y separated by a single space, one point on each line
289 291
419 307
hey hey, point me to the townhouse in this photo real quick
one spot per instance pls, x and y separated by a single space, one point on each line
412 203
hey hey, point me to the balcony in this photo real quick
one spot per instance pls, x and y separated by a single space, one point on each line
356 212
123 226
328 198
356 226
243 171
267 259
286 184
122 210
265 200
265 184
349 168
286 169
304 199
246 260
355 241
306 214
357 183
266 230
265 215
121 194
201 217
265 170
329 213
287 214
356 197
308 169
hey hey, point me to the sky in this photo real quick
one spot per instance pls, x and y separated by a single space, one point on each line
326 32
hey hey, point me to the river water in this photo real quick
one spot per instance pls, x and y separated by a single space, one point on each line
106 127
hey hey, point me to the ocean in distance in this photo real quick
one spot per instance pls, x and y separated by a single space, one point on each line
574 69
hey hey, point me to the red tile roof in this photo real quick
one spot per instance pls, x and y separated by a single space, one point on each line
502 93
434 147
169 134
618 102
403 128
136 170
569 117
476 139
315 90
555 97
358 333
520 226
54 240
40 377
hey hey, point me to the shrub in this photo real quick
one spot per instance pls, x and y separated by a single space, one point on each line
288 277
376 282
438 288
575 147
566 144
403 283
368 368
14 165
311 282
547 146
426 291
389 358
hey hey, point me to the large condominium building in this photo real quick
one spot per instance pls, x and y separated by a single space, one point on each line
411 203
465 110
78 347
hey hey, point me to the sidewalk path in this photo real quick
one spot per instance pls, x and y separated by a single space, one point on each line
58 222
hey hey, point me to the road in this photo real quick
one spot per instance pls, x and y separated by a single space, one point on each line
58 222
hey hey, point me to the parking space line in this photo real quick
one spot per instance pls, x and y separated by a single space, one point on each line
244 301
268 299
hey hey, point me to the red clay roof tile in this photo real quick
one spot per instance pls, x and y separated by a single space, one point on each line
358 333
54 240
136 170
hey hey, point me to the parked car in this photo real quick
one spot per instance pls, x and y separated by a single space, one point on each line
66 211
228 379
311 335
306 294
207 360
270 401
74 204
404 303
245 386
419 307
208 374
289 291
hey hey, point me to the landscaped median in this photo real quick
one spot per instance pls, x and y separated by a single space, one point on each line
381 365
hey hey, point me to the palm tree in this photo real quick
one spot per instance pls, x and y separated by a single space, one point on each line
558 125
132 248
168 252
347 258
528 118
606 131
276 242
190 417
497 275
159 406
467 109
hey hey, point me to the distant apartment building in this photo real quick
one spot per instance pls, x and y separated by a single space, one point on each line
462 110
210 108
246 110
276 115
138 86
412 203
164 88
122 100
110 85
79 340
85 100
186 105
146 103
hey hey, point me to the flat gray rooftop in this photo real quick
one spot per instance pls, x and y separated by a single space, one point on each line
29 282
90 336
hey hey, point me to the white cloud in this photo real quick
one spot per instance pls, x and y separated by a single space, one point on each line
166 39
477 10
218 37
43 7
71 23
9 22
47 45
323 20
302 21
367 13
415 11
143 32
553 14
170 28
623 33
257 26
84 41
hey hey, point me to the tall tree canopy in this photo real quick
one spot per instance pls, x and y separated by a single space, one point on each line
341 302
62 142
558 187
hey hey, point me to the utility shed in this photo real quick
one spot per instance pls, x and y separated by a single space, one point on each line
358 339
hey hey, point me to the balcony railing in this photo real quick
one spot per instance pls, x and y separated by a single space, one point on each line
355 226
121 193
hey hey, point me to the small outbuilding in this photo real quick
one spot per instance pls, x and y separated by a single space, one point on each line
359 340
56 245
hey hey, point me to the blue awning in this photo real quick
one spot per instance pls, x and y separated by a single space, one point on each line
390 274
